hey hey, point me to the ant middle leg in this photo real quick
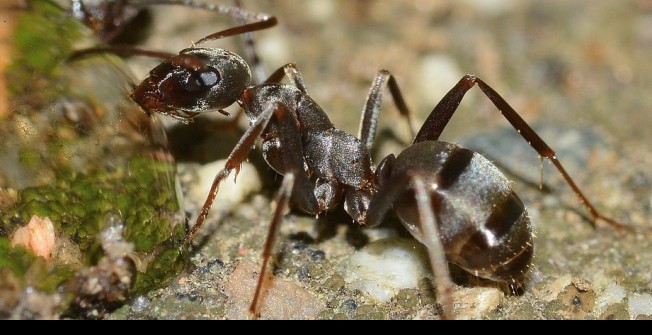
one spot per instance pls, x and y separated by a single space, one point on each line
282 205
371 110
444 110
292 72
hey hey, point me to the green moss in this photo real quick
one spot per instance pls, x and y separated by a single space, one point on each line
17 260
167 264
81 180
43 37
35 271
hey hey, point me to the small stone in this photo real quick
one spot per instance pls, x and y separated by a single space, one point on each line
615 312
334 283
140 304
640 305
612 294
581 284
407 298
476 302
385 267
37 236
349 305
231 193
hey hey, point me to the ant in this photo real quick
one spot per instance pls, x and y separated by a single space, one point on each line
108 19
182 84
451 199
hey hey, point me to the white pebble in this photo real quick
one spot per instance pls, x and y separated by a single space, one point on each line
230 193
439 73
612 294
640 304
383 268
140 304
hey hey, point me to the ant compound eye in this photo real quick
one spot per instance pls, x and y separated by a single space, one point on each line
202 81
209 78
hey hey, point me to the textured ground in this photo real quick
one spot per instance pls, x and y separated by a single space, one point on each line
582 79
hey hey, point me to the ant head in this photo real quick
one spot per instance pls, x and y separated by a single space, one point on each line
197 80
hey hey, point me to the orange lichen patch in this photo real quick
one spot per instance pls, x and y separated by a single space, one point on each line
37 236
7 23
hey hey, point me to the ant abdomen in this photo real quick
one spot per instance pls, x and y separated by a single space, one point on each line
483 225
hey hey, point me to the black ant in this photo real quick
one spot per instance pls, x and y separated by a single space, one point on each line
108 19
451 199
185 85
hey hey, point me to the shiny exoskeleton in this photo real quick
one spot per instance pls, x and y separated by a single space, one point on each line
189 83
109 18
451 199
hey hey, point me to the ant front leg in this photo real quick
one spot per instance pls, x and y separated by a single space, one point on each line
296 182
233 162
444 110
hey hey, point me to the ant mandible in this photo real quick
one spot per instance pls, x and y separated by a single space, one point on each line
451 199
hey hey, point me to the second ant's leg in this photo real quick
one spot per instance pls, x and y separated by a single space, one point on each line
444 110
369 119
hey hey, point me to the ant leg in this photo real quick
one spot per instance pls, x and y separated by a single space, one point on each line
427 233
261 20
283 149
369 119
282 205
292 72
233 162
436 254
443 111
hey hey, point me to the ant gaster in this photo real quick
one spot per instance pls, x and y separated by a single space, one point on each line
451 199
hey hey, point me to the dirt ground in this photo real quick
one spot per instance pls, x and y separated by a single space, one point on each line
577 71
